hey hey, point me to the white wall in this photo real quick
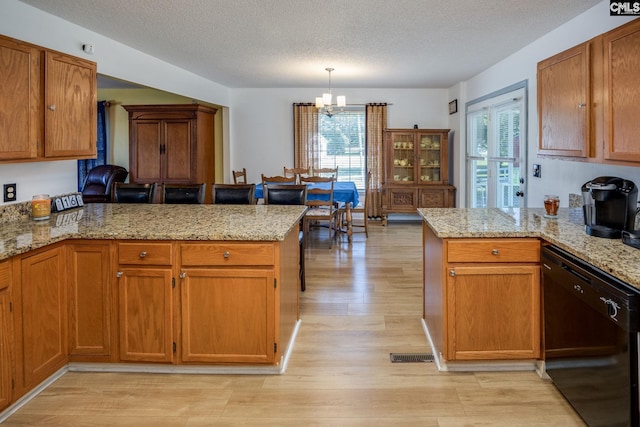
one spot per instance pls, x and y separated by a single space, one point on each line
558 176
29 24
262 121
260 131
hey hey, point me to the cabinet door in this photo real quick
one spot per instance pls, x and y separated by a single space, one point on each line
145 151
41 329
622 95
90 301
431 159
493 312
228 315
564 103
5 337
70 107
177 158
436 198
401 158
146 312
20 101
402 199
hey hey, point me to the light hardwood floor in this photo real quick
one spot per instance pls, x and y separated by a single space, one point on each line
362 302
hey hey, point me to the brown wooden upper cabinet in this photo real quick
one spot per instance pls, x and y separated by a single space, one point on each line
589 100
48 104
171 144
621 97
564 99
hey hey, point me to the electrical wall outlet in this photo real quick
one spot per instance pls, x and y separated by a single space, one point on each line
537 171
9 193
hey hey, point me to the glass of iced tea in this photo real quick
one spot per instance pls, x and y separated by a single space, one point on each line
551 205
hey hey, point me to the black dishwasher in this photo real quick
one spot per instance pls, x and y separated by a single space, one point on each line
591 329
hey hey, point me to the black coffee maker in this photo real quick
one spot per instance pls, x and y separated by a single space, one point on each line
609 206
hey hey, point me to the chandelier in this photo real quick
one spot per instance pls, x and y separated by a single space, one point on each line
323 103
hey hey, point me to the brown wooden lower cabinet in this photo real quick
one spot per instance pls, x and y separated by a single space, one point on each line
400 198
145 301
228 315
5 335
493 312
482 297
40 317
91 301
146 314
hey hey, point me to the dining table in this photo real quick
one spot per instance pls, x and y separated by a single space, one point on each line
343 192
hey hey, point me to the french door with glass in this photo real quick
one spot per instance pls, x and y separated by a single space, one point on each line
496 151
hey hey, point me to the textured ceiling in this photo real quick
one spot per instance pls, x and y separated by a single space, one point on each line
289 43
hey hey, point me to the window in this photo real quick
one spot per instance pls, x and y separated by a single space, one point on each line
342 144
496 150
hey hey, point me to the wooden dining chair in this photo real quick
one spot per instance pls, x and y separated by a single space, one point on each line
296 172
240 177
278 179
326 172
233 194
133 193
321 206
290 194
362 207
192 194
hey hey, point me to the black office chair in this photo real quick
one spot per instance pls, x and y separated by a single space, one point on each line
233 194
134 193
289 194
99 182
190 194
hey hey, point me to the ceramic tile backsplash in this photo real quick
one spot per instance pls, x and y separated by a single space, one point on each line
575 200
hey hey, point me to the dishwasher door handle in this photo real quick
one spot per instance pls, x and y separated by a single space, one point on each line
580 276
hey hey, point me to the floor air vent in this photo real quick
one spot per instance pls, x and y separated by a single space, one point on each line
410 357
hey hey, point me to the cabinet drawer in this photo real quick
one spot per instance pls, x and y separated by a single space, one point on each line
227 254
5 278
493 250
145 253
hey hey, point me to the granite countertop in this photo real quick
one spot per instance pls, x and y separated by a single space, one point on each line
566 231
151 222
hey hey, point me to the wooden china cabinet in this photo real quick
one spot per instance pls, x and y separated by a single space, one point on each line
416 167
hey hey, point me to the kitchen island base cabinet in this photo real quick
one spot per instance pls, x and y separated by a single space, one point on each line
228 316
492 312
40 316
482 297
6 371
91 302
146 315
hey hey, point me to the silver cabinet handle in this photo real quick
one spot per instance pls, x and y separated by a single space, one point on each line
495 252
226 254
52 107
119 274
183 275
452 273
582 105
143 254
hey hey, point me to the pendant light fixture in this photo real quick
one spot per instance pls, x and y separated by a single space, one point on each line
324 102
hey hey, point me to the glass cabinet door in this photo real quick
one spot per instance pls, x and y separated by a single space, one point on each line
429 157
403 158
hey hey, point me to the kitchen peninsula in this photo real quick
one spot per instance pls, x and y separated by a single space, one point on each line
158 288
482 267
